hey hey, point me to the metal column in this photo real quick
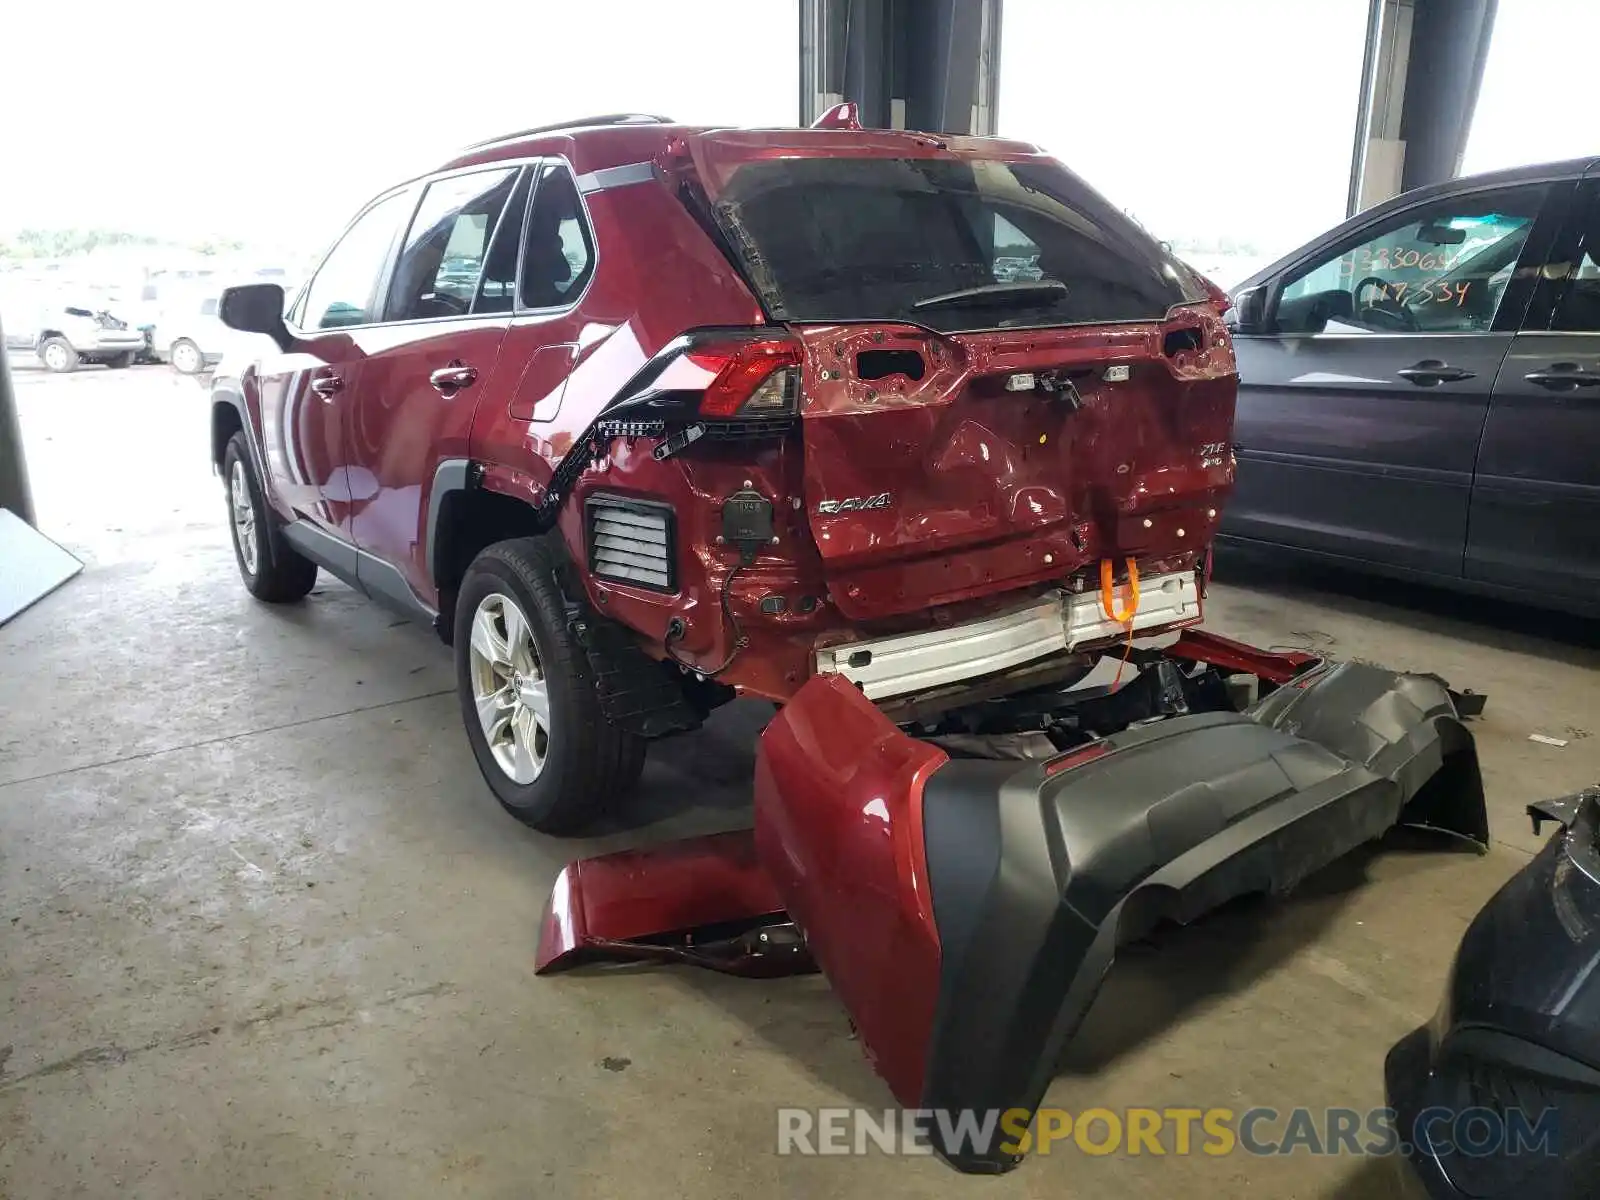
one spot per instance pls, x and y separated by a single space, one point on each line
15 493
917 64
1419 84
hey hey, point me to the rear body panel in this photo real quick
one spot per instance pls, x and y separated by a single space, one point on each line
991 489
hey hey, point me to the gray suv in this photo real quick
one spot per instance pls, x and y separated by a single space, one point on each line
1419 389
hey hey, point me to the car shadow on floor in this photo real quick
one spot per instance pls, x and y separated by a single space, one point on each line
1380 1178
696 782
1479 620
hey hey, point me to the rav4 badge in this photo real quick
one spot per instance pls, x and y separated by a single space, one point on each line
854 504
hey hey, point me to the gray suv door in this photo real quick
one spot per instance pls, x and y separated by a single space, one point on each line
1536 497
1360 412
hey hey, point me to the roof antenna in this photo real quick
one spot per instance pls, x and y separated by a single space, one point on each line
844 115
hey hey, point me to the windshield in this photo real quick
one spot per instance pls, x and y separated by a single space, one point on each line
875 239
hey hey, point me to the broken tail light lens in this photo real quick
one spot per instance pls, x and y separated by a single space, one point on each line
1215 294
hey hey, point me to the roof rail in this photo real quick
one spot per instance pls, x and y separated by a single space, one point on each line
579 123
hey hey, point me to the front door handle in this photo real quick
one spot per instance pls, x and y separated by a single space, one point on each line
1431 372
451 379
327 386
1563 377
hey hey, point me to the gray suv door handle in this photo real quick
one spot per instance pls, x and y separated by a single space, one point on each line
451 379
1431 372
1563 377
327 386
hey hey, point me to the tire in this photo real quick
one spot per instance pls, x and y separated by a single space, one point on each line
272 569
186 357
587 763
121 361
57 354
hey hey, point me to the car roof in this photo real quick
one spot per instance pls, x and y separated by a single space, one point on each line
596 143
1570 168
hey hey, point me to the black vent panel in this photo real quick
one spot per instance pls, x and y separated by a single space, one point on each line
631 541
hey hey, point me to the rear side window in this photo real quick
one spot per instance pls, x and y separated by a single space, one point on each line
497 290
439 268
344 289
871 239
1579 311
558 255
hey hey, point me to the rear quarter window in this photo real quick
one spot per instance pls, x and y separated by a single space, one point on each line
866 239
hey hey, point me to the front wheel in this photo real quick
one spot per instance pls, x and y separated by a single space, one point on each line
528 697
272 569
57 354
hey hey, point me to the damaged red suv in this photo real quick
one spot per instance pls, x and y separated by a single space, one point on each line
902 432
644 416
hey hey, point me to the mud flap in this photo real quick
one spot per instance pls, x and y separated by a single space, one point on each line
967 911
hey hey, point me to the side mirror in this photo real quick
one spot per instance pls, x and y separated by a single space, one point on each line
1249 311
256 308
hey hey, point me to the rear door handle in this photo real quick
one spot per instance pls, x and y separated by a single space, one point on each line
448 380
1563 377
1431 372
327 386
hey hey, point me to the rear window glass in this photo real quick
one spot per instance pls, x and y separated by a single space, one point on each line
872 239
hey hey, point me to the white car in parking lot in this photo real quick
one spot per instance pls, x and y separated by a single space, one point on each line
66 336
190 336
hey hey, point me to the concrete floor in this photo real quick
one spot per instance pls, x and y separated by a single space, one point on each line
265 931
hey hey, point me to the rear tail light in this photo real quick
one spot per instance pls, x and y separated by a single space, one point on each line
749 378
718 382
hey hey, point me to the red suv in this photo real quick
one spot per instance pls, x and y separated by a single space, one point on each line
644 416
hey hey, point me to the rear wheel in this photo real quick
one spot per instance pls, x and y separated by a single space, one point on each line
272 569
528 697
186 357
57 354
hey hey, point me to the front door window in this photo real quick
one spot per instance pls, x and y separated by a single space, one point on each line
1438 268
344 290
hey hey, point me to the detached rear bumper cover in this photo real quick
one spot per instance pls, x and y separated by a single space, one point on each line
967 911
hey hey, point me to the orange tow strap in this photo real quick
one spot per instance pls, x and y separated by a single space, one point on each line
1108 601
1108 597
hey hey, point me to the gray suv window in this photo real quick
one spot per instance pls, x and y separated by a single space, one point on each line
1438 268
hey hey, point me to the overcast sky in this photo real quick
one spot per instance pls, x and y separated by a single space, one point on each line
277 120
282 117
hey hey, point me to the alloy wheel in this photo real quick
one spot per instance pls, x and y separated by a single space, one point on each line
55 356
244 517
509 688
186 358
